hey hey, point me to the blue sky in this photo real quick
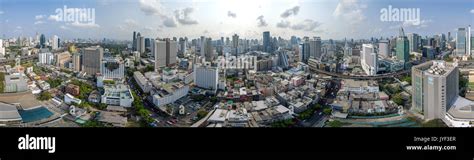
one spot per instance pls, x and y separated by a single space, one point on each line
336 19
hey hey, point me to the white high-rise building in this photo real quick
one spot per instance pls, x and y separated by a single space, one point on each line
55 44
140 44
468 45
160 54
206 76
46 58
384 51
112 68
435 88
413 42
206 49
315 48
369 59
461 42
2 49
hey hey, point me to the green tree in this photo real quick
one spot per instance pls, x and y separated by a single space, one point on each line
44 96
406 79
327 111
54 82
398 99
201 114
2 80
108 82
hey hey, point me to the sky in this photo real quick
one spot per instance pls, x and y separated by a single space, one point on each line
328 19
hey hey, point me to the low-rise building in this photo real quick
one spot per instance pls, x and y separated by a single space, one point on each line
15 83
119 95
142 82
169 93
68 99
461 114
72 89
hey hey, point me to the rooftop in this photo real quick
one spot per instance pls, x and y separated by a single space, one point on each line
9 112
462 108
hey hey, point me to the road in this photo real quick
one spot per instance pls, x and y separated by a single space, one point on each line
23 58
318 118
379 76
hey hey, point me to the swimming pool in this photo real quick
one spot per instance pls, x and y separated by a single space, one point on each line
35 114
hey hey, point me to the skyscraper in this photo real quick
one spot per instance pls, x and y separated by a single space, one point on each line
165 53
42 41
206 49
55 44
267 45
369 59
305 51
160 54
235 44
468 44
461 42
315 48
134 41
91 60
76 61
182 45
140 44
428 52
435 87
384 51
147 43
402 49
171 52
413 42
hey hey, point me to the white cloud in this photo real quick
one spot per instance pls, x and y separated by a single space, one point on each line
231 14
412 24
184 16
39 22
38 17
63 27
283 24
291 11
472 11
261 21
421 24
1 12
84 25
170 22
151 7
306 25
350 10
128 24
53 18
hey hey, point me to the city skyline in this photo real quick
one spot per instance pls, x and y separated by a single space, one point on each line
116 19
